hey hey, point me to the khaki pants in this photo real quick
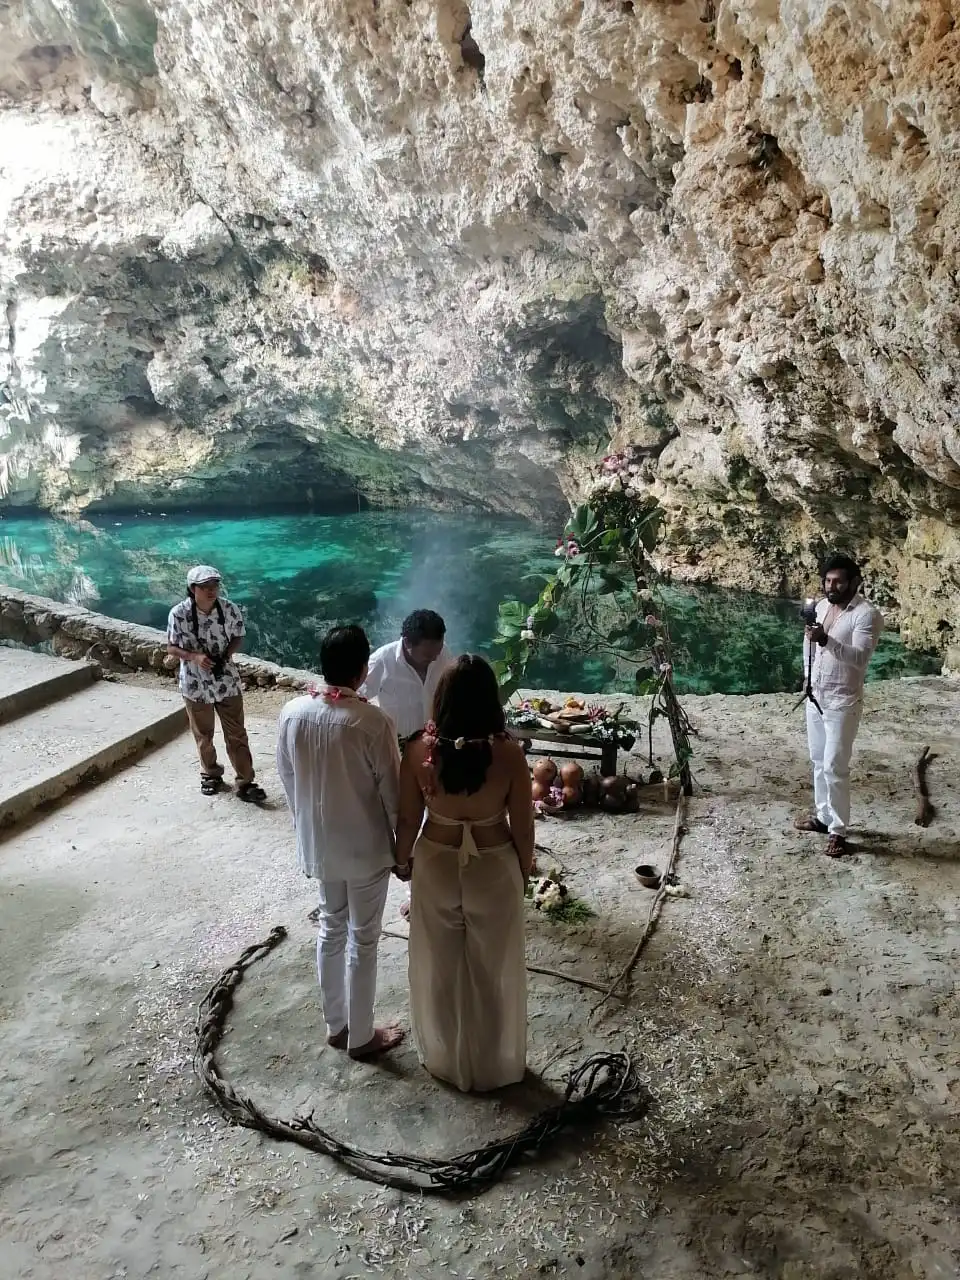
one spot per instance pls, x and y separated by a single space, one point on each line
203 719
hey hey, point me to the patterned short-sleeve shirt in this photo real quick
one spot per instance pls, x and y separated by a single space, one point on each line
213 638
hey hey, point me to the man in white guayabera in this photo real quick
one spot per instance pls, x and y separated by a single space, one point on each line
842 643
204 632
339 764
403 677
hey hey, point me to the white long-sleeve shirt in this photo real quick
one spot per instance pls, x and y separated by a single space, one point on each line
398 690
840 666
339 765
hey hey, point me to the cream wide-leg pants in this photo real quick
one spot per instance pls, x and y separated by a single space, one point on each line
831 737
351 916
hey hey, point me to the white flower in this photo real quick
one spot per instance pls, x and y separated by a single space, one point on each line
549 894
527 635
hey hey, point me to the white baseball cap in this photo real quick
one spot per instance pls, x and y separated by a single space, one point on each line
201 573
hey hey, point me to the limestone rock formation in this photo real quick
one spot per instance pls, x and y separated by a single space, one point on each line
426 250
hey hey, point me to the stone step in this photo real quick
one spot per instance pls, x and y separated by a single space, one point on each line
31 680
55 748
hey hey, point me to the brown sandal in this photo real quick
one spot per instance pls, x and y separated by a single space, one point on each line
836 847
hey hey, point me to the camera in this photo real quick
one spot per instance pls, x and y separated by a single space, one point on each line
219 663
808 613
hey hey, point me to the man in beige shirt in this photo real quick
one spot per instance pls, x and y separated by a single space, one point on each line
339 766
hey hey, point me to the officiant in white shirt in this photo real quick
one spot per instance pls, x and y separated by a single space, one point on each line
403 677
403 674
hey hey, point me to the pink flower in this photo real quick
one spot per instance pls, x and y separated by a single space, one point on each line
573 548
614 462
652 620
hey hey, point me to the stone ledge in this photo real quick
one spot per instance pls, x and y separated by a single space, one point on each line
77 633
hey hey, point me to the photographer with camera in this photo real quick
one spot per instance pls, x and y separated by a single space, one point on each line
840 635
204 632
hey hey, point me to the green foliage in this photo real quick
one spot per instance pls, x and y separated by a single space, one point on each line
570 911
606 597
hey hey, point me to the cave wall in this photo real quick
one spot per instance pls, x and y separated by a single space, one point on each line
429 251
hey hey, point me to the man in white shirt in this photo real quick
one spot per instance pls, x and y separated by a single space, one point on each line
843 641
204 632
339 764
403 675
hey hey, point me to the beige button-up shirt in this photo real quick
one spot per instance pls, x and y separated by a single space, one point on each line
840 666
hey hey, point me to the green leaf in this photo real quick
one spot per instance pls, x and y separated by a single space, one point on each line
583 523
511 609
649 530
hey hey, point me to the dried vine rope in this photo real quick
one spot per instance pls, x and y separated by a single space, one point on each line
655 907
604 1086
925 810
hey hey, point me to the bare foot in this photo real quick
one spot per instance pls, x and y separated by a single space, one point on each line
384 1039
405 909
340 1040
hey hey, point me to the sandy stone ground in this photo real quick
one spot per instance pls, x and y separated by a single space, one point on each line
796 1018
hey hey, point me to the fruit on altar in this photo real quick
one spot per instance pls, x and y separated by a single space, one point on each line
572 774
590 790
544 771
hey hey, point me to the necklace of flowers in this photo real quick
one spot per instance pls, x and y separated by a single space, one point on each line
333 693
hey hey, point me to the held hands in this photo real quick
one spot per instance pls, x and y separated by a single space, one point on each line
403 870
816 635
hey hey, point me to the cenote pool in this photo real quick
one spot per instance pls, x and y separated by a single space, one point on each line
298 574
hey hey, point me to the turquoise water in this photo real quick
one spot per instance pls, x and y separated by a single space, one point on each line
298 574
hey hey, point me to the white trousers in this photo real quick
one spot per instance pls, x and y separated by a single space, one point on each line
831 738
351 916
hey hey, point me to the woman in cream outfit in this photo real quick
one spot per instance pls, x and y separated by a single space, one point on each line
468 994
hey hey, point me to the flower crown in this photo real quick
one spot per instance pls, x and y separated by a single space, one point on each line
432 738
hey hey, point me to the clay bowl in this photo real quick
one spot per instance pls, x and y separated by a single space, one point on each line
648 876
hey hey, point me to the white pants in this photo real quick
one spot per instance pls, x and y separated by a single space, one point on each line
831 737
351 916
